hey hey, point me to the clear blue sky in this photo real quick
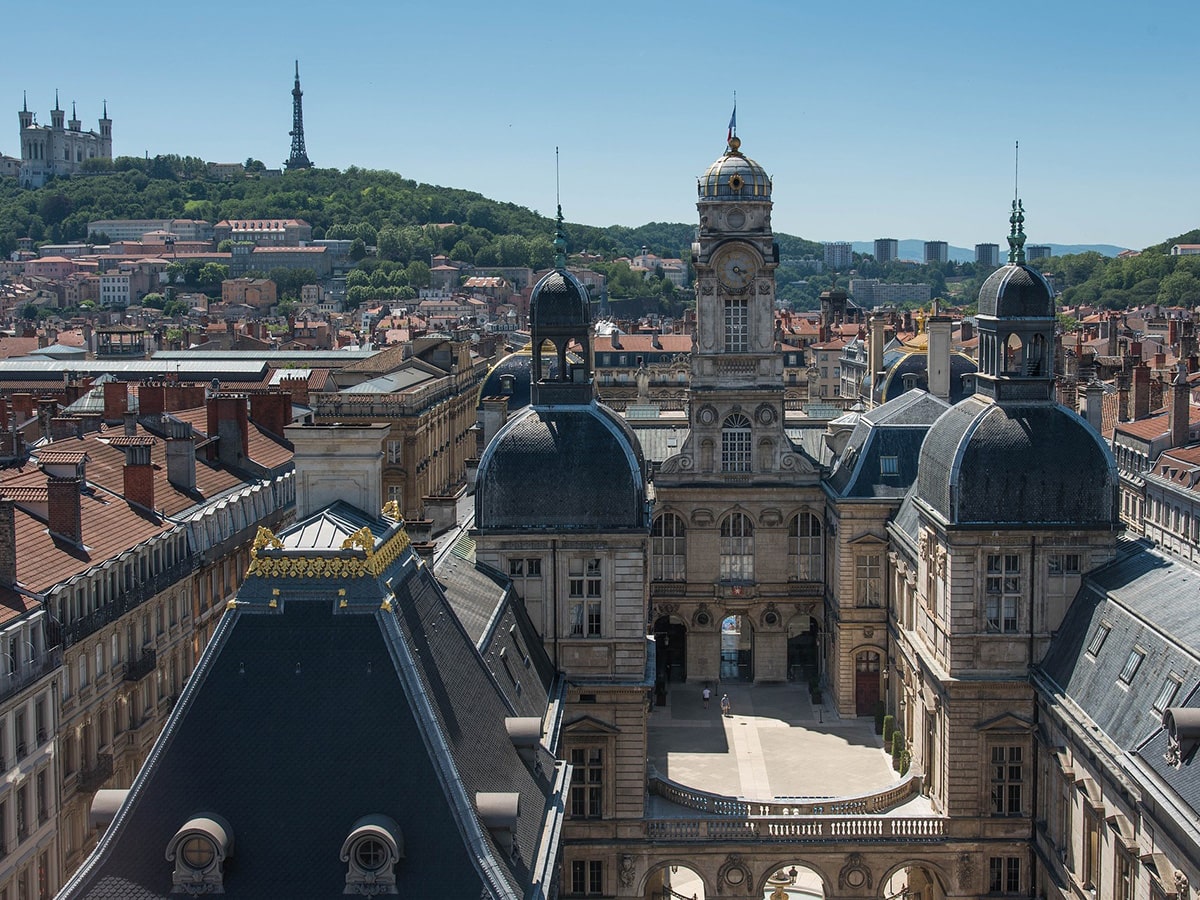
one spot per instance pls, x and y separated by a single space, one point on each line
875 119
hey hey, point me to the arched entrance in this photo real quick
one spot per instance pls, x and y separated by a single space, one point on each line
674 882
866 682
670 637
803 648
737 649
794 881
914 882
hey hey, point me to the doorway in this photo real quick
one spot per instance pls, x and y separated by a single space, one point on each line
670 637
866 682
737 649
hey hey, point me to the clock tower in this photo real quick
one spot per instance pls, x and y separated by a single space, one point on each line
736 537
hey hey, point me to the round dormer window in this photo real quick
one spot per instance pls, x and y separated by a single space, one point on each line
371 855
198 853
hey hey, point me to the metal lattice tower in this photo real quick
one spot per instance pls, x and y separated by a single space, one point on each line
299 158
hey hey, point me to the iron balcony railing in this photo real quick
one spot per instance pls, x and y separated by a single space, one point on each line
139 668
91 779
27 674
128 600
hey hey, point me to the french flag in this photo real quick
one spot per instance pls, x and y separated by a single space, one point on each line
732 124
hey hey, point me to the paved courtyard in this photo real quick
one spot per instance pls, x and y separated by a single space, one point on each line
774 745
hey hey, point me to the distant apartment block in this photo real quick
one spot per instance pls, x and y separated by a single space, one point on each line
870 292
268 232
133 229
1037 251
987 254
838 255
937 252
886 249
259 293
226 171
114 289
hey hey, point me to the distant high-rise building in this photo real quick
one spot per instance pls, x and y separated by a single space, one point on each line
299 157
1037 251
987 254
886 249
937 251
839 255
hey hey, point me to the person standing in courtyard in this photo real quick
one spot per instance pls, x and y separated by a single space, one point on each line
707 695
726 706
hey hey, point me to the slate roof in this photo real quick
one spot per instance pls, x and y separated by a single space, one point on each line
1016 291
302 718
559 300
898 363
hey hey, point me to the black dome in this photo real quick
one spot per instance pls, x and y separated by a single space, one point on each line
987 464
559 300
1016 291
576 468
897 364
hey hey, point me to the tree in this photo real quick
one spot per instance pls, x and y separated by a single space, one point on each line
29 311
254 165
418 274
1180 288
358 249
226 246
154 301
212 273
173 308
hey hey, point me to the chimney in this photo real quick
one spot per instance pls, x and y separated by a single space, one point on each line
23 406
1094 397
116 401
152 399
129 420
8 543
178 396
271 410
1123 405
1173 333
64 508
139 472
229 422
64 428
181 454
1179 410
938 361
875 350
1141 391
966 331
297 386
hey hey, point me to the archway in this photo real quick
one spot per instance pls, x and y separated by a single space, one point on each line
737 649
670 636
914 882
674 881
794 881
803 648
866 682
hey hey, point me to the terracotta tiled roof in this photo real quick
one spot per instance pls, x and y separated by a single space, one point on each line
23 494
1155 425
644 343
13 605
60 457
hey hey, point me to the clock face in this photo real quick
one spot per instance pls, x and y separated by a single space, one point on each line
736 269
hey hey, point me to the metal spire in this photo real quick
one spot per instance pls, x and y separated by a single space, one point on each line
24 101
56 109
299 157
560 242
1016 234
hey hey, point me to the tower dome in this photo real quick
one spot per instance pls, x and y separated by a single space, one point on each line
559 300
734 177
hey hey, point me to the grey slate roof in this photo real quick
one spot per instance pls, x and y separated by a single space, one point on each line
571 467
1016 291
559 300
987 463
898 363
301 719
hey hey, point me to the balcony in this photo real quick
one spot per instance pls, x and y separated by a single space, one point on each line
786 829
90 780
27 674
142 666
129 599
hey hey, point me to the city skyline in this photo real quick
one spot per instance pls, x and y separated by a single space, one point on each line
871 125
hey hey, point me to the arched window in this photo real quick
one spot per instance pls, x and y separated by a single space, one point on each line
736 451
737 548
1014 356
805 547
668 549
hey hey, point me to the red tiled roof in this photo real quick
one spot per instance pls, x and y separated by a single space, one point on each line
644 343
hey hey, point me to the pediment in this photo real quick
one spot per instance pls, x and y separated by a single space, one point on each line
1008 722
589 725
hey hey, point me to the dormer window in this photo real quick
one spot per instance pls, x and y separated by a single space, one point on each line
371 851
199 850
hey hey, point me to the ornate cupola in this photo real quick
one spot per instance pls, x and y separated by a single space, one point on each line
559 315
1016 327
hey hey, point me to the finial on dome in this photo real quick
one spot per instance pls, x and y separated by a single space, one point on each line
560 242
1016 235
735 144
56 99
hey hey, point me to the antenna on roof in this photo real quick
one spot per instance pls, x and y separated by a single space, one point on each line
1016 169
560 242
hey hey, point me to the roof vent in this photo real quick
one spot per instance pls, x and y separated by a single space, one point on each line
499 812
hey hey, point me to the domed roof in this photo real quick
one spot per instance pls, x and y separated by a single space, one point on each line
559 300
578 468
907 361
991 464
735 177
1016 291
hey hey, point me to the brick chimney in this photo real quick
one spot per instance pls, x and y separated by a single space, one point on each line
181 454
877 339
1179 407
152 399
64 508
228 421
1141 391
297 386
966 331
1094 399
8 543
64 428
188 395
116 401
138 471
271 410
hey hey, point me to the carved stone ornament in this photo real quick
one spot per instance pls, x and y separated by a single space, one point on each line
1181 885
923 542
769 617
733 873
805 609
770 517
966 872
794 462
707 415
868 632
855 874
626 871
702 618
765 414
706 289
702 516
666 609
765 286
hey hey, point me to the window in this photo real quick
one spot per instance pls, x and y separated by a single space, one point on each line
735 444
737 322
1166 694
587 782
889 465
1091 851
868 581
1062 564
1003 585
805 546
394 451
1006 781
1125 876
584 595
587 876
1004 875
1097 640
737 548
668 549
1132 663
